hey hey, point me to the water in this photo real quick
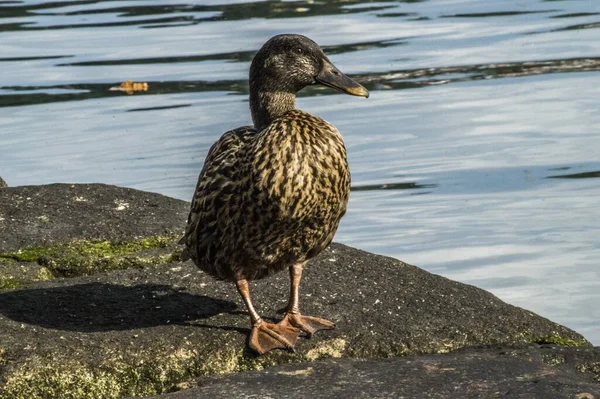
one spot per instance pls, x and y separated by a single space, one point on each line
477 156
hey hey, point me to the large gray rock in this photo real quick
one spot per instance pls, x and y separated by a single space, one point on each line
106 311
66 230
32 216
526 372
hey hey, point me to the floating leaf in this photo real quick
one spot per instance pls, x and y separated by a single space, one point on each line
129 87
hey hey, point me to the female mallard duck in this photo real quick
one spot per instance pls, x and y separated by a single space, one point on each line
271 196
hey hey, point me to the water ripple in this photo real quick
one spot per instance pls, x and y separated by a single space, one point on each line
393 186
390 80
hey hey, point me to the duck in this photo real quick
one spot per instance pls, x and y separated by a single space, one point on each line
270 196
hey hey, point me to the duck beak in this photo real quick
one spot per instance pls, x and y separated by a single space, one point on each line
332 77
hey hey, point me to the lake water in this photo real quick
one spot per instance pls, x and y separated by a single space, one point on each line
477 155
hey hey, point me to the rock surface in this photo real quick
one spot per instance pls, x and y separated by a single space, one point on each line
60 213
526 372
66 230
95 304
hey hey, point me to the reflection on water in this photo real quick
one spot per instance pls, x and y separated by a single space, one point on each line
393 186
476 156
391 80
584 175
149 15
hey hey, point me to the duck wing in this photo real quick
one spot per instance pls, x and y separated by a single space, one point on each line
224 168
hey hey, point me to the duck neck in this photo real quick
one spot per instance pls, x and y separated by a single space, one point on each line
266 106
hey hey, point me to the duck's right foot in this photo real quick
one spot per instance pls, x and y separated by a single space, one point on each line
307 324
268 336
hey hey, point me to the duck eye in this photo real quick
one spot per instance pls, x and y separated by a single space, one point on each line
298 50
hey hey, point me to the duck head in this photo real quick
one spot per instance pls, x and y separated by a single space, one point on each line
285 65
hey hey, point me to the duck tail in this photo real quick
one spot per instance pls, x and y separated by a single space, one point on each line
185 253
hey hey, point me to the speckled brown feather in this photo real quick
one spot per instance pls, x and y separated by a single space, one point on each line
267 200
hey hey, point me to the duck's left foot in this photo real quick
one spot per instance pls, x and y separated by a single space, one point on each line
307 324
268 336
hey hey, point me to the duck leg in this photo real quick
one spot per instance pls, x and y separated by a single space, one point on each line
292 315
266 336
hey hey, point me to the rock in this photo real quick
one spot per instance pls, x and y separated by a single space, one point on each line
33 216
2 183
526 372
66 230
106 311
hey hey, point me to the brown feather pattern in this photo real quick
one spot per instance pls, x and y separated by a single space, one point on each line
267 200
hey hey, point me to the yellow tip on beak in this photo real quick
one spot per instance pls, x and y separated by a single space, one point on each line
330 76
359 91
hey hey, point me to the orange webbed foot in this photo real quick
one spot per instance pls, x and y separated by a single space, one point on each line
268 336
308 324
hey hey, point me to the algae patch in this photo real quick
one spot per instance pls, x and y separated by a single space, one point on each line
558 340
15 274
593 368
9 282
123 374
85 257
331 348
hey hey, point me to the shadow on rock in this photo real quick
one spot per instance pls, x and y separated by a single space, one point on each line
107 307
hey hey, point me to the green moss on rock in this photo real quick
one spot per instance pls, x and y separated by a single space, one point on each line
103 248
9 282
558 340
146 373
333 348
84 257
15 274
593 368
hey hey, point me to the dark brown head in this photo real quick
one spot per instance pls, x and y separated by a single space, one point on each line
286 64
289 63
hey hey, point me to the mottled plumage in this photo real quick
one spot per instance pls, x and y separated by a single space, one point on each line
267 200
271 197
